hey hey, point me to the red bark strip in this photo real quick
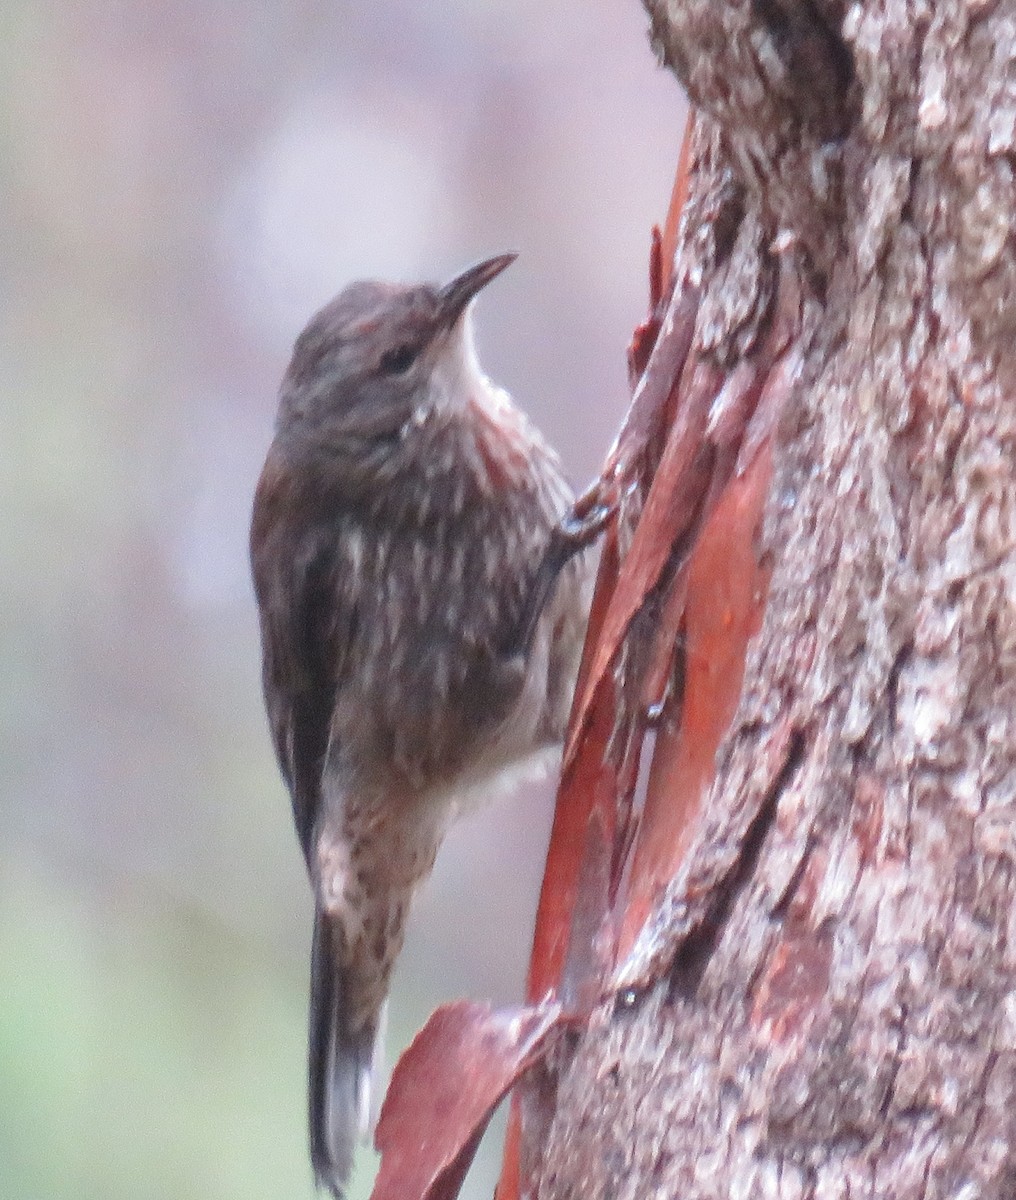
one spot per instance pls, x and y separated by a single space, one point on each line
725 597
586 832
668 243
587 786
582 836
444 1090
671 507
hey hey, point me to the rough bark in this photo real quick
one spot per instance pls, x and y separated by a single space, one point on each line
823 1000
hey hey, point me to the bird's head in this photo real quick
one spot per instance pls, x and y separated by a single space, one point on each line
379 357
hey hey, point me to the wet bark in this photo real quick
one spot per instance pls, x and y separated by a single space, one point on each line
822 1001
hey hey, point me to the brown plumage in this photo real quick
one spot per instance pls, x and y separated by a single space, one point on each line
401 543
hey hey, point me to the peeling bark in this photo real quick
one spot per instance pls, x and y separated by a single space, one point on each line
822 1001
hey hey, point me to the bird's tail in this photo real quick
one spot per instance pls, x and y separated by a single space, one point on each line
342 1065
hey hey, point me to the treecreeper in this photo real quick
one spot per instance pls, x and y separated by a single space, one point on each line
423 586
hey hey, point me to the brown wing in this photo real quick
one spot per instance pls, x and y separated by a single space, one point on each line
306 625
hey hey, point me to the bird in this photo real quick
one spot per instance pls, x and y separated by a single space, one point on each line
423 586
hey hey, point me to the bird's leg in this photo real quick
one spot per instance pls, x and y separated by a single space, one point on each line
575 532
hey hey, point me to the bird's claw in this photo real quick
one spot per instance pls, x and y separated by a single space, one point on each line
588 517
582 531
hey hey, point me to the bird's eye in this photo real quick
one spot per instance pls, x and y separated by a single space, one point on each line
399 359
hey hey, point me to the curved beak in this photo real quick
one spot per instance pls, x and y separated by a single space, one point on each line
455 296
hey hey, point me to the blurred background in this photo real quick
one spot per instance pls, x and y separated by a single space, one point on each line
182 182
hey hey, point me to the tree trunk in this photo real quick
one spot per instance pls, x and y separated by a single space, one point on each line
818 996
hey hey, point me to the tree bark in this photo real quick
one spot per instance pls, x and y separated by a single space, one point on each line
821 999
